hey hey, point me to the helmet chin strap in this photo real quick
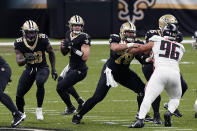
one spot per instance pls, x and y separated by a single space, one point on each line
76 32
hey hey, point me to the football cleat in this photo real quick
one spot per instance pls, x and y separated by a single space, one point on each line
69 111
39 114
24 116
157 119
81 102
76 119
139 123
177 113
167 118
148 118
18 118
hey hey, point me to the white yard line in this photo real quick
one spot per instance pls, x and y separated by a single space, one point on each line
94 42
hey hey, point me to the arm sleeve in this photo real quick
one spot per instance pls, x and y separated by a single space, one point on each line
114 38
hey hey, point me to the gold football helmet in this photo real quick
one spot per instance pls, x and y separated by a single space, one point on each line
167 19
76 20
130 27
30 30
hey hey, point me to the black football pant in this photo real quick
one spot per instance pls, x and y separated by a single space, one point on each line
71 90
29 75
5 74
64 86
126 77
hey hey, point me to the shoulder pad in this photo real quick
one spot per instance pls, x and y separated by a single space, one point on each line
156 38
84 38
42 36
114 38
85 35
151 33
18 40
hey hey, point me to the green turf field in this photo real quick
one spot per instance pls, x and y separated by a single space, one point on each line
114 113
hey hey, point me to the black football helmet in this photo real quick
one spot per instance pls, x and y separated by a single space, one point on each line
30 31
167 19
170 31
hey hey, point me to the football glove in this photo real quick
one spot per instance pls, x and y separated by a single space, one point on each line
54 74
29 57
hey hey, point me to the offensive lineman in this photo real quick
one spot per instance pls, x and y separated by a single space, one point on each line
116 69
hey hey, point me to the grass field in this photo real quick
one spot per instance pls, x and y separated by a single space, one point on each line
114 113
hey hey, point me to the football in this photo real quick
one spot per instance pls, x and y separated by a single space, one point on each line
64 50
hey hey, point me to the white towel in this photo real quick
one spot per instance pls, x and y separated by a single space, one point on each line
110 79
64 71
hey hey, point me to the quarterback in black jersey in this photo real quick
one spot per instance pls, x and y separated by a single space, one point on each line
78 44
116 69
148 68
30 51
5 74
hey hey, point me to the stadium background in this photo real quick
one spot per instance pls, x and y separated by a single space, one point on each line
102 17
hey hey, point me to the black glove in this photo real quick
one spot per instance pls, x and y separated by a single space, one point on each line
54 74
29 57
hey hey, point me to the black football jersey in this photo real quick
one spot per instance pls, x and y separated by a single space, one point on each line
38 49
78 40
121 59
151 33
2 62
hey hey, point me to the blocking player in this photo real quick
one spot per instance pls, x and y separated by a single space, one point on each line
148 68
116 69
167 53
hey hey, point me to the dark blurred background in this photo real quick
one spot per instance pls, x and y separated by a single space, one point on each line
102 17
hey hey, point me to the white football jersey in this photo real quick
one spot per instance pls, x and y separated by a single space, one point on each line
166 53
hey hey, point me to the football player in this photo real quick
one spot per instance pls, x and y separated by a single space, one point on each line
78 44
167 53
194 44
195 47
5 74
148 68
30 51
116 69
